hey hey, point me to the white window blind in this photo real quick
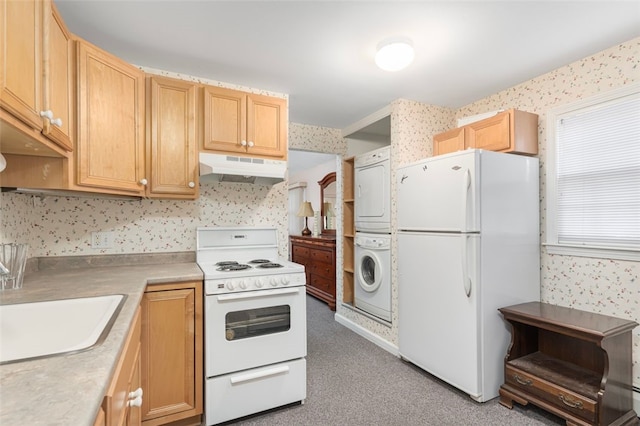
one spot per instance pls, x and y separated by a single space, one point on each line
598 175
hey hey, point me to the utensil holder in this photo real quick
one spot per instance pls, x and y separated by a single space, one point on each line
13 259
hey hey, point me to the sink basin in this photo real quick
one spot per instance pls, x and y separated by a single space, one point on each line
39 329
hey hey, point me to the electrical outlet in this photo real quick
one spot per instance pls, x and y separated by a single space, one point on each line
101 240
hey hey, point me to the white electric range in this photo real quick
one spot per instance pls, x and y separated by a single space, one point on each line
255 323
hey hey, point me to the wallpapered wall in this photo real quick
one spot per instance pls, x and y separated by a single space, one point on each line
598 285
61 226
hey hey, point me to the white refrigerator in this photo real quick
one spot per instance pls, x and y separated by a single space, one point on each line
468 244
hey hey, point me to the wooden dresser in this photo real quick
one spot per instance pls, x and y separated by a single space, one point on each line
573 363
318 255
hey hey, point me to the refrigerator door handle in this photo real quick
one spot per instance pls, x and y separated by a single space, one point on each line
466 184
466 281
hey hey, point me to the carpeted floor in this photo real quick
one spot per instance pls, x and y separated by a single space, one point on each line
352 382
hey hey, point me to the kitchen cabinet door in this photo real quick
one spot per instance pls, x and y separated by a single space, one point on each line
492 134
172 360
173 150
450 141
58 82
266 126
21 71
244 123
36 73
111 144
225 121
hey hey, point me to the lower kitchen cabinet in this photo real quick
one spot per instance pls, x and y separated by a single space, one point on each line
172 375
121 405
318 255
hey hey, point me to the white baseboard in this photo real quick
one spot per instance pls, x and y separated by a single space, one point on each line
367 334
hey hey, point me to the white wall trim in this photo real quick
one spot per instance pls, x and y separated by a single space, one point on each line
367 334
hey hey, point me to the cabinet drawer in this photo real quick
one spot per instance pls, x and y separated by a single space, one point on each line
322 283
323 270
300 253
558 396
322 256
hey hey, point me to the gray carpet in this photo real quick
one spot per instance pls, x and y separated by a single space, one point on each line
351 381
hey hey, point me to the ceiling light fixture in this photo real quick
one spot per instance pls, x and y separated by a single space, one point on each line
394 54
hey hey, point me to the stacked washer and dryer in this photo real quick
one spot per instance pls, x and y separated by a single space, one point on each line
372 179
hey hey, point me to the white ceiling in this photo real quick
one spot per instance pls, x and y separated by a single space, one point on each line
321 52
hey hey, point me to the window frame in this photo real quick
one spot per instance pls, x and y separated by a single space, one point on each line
551 219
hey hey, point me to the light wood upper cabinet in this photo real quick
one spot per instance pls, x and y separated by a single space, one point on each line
172 375
450 141
172 154
244 123
22 41
509 131
36 76
58 86
111 145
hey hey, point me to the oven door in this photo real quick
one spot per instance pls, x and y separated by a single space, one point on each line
254 328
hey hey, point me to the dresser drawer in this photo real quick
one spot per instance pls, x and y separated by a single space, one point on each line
558 396
322 283
300 253
323 270
324 256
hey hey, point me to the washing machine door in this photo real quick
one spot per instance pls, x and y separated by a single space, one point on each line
369 271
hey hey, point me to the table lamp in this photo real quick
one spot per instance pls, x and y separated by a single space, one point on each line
305 211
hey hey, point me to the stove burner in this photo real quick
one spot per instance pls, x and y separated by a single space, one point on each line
270 265
233 267
227 263
260 261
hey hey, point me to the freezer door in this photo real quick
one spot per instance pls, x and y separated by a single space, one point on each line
438 306
439 194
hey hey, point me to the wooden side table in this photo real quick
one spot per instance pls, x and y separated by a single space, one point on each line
572 363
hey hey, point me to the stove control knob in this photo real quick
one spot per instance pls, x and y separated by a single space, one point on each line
273 282
229 285
284 281
259 283
242 284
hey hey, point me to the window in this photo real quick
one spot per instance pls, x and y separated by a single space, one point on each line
593 176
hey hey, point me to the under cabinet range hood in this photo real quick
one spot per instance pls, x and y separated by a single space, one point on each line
229 168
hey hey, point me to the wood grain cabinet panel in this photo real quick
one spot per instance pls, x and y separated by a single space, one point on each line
244 123
36 78
572 363
172 138
172 353
116 409
318 255
511 131
111 144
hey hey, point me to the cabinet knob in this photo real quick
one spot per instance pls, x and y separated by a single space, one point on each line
144 182
192 184
57 122
136 402
136 393
47 114
243 143
251 144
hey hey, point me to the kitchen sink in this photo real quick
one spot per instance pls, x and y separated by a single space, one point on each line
41 329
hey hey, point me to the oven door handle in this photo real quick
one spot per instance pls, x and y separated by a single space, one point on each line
257 294
259 374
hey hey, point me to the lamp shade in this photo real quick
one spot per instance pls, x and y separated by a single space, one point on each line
305 210
328 209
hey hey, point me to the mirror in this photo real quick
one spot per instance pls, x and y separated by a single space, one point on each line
328 190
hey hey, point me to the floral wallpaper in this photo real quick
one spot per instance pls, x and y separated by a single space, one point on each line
62 226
